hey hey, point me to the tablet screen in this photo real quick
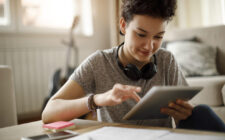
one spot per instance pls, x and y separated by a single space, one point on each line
156 98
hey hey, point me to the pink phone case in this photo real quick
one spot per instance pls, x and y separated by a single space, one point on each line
58 125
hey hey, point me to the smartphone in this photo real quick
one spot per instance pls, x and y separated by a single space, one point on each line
53 136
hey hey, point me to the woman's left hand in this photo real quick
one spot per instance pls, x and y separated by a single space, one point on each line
179 110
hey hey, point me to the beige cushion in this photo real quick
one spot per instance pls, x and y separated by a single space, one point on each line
213 36
223 94
194 58
211 93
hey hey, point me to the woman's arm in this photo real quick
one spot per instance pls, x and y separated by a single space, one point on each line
68 103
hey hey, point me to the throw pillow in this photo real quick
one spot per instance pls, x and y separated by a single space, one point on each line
194 58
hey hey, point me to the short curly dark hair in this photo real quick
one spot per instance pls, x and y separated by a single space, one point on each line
164 9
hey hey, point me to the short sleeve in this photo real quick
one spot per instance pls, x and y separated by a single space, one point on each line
84 75
175 76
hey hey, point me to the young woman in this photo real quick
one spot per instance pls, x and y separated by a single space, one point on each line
115 79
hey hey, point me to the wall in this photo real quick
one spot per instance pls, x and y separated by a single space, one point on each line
199 13
86 45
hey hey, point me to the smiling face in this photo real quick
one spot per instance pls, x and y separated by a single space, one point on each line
143 37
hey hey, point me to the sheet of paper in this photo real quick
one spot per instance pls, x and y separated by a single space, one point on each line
119 133
179 136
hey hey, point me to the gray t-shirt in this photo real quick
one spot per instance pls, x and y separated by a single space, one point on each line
100 72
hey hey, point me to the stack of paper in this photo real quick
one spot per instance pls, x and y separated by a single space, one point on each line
119 133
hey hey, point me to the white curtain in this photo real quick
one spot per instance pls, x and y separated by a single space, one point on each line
199 13
115 11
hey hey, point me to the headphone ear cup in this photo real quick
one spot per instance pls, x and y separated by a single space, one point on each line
149 70
132 72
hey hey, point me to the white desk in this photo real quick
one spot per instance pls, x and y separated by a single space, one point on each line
83 126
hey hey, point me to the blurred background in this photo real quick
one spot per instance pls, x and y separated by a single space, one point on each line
39 37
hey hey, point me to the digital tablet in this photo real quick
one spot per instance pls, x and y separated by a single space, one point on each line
157 97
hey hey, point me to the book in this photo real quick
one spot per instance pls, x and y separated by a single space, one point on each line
59 126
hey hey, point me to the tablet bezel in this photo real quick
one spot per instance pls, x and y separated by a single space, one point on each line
157 97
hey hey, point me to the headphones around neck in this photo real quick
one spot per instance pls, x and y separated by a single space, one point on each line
132 72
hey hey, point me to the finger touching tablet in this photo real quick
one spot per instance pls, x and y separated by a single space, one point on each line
157 97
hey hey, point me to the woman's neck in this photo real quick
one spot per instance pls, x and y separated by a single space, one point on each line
126 58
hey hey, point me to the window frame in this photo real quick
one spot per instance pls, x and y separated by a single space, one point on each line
11 26
16 26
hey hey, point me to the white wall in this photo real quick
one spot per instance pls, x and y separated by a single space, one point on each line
87 45
199 13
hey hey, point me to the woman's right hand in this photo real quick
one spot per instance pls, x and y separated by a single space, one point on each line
118 94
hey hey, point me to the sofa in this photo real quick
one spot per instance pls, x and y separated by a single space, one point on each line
213 93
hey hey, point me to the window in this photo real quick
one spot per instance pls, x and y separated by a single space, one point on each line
223 10
57 14
200 13
4 13
47 15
